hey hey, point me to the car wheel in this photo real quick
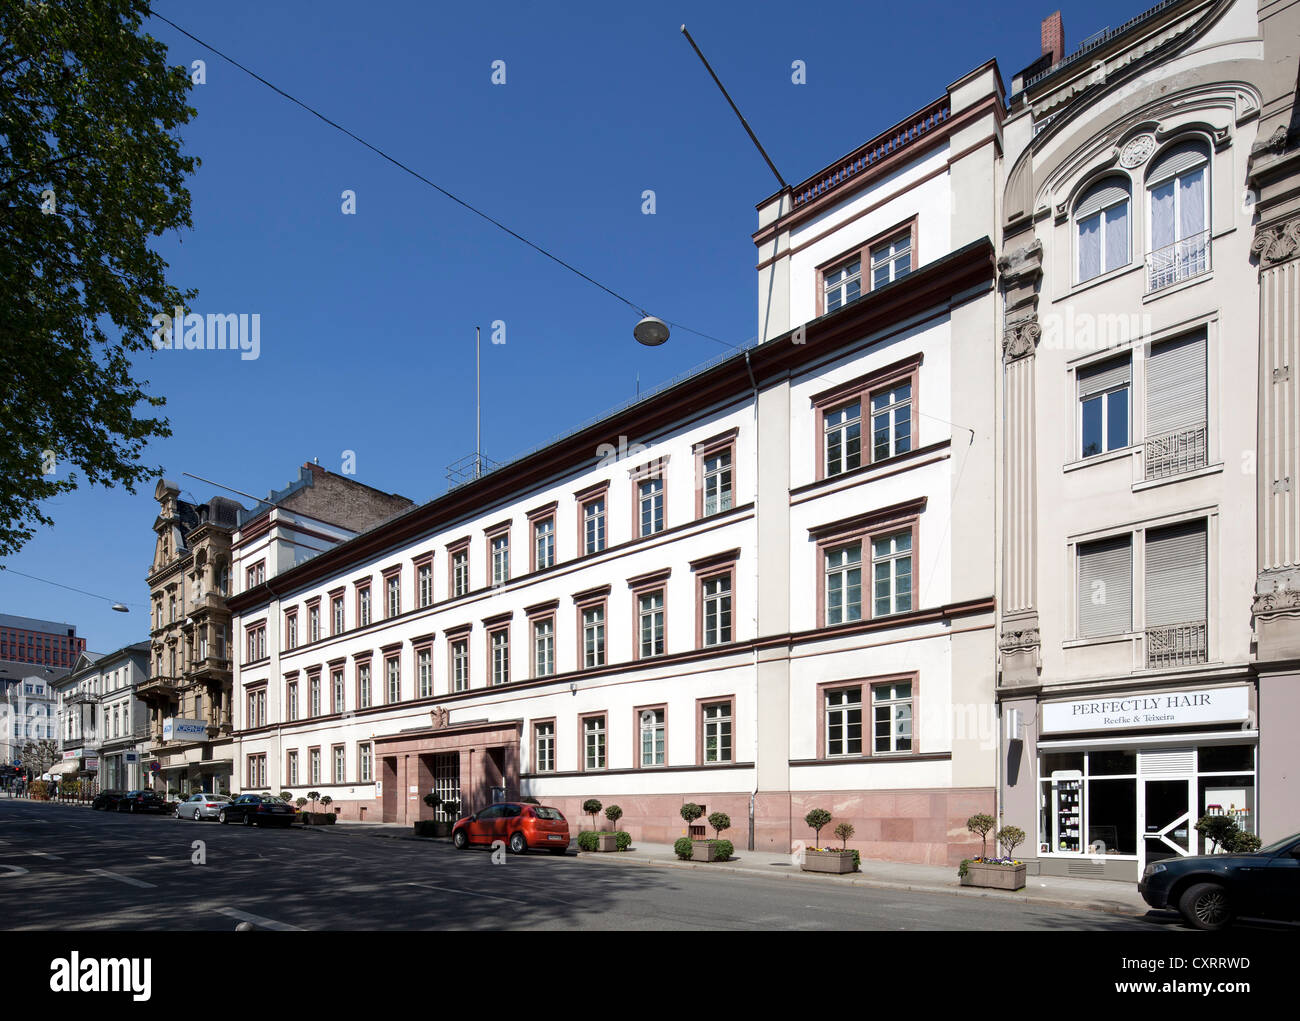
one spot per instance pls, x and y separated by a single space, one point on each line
460 840
248 818
221 817
132 808
518 842
1206 906
197 816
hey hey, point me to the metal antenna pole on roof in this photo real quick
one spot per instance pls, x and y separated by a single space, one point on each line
478 412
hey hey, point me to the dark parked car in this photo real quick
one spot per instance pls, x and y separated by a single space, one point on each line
143 801
520 826
107 800
1210 890
256 810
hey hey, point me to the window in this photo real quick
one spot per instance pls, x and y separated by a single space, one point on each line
544 647
593 635
291 769
1176 412
363 606
1180 215
1104 407
1101 220
843 430
500 558
715 599
340 764
716 482
460 572
336 683
652 736
891 422
257 708
593 525
1176 595
424 670
314 687
716 719
365 767
650 503
313 757
1105 587
890 261
891 569
460 665
544 747
256 645
650 624
291 630
424 584
363 685
842 284
336 612
393 594
543 543
256 768
499 641
891 708
255 575
313 622
593 742
291 696
844 584
844 722
393 673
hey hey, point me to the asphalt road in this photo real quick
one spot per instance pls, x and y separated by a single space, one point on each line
68 868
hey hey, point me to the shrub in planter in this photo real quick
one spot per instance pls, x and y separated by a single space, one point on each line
433 801
982 824
431 828
452 809
588 840
614 814
845 832
301 803
622 840
684 846
326 801
1004 873
816 819
592 808
723 849
719 821
690 812
313 797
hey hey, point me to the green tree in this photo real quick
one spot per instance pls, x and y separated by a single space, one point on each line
845 832
38 756
590 807
614 813
690 812
981 824
91 170
719 821
816 819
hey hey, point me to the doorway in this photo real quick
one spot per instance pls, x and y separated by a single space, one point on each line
1167 820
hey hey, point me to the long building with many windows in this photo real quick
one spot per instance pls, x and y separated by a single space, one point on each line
765 588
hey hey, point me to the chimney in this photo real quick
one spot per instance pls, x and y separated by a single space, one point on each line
1054 37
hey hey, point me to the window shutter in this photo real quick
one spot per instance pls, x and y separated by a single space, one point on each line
1098 378
1176 386
1176 575
1099 196
1174 161
1105 594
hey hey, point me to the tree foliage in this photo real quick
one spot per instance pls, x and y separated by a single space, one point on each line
981 824
91 170
36 757
816 819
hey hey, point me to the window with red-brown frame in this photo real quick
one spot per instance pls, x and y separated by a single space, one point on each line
337 622
541 532
715 473
866 564
423 648
392 677
715 579
592 613
256 705
868 717
255 771
650 611
651 735
498 553
313 620
458 661
650 508
291 628
541 631
715 730
313 693
255 574
393 591
544 746
255 646
365 689
458 567
497 630
869 419
880 260
423 565
292 707
593 519
291 768
593 741
364 611
338 692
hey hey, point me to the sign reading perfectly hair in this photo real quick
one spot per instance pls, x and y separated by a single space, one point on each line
1187 707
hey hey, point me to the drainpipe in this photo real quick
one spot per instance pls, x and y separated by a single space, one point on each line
753 797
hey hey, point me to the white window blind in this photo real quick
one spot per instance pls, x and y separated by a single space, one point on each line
1176 386
1175 575
1174 161
1107 193
1105 587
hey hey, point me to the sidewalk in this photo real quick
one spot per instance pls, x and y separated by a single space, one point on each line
1048 891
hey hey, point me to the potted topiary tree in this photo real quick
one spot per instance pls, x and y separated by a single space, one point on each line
719 849
701 850
833 860
1005 873
591 807
327 816
431 827
609 841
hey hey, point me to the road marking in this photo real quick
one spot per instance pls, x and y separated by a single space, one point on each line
468 893
122 879
14 870
265 923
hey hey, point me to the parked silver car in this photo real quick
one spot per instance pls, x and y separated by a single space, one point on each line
201 806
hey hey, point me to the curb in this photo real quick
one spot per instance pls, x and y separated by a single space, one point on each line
1102 907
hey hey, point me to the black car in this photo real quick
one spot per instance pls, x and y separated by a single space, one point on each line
257 810
1210 890
142 801
107 800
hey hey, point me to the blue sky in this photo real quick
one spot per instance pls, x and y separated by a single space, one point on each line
367 320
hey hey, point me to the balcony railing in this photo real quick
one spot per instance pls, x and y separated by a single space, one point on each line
1176 645
157 686
1176 452
1180 261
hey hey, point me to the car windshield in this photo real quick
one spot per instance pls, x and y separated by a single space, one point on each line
547 813
1280 845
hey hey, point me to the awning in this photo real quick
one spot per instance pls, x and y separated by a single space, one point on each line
66 766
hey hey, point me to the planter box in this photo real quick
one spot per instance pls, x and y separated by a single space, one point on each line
317 818
606 842
994 877
834 862
704 850
432 828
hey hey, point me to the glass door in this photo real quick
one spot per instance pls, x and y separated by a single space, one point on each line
1167 820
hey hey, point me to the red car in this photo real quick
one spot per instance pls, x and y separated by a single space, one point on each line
519 826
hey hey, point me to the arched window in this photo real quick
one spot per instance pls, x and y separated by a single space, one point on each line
1101 219
1178 190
